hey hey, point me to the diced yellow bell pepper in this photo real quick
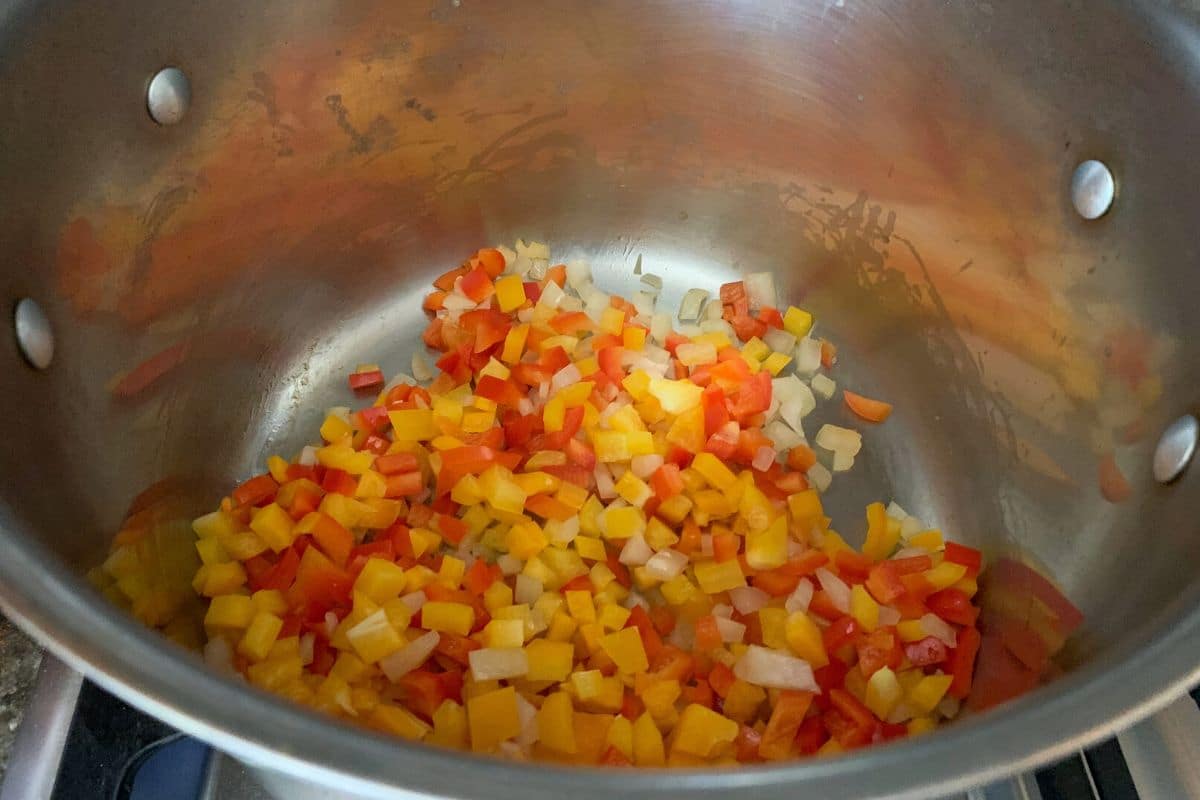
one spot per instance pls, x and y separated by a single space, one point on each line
634 338
449 725
562 629
622 522
504 633
768 549
743 701
580 605
648 749
921 725
456 618
556 723
571 494
773 622
413 424
590 548
613 617
930 540
945 574
211 552
659 699
775 363
675 396
537 482
498 595
478 421
863 607
911 630
514 343
625 649
587 683
274 526
804 637
230 611
797 322
501 492
375 637
637 383
756 349
925 696
381 580
344 457
510 293
675 509
525 540
612 320
334 428
633 489
881 539
260 635
679 591
601 575
493 718
883 692
719 576
271 601
549 660
626 420
702 732
805 507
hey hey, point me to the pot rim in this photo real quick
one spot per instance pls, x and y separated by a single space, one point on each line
267 732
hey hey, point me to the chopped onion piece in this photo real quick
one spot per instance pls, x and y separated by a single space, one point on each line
706 545
647 465
636 552
308 456
910 527
567 376
839 440
509 564
730 631
938 628
764 457
775 670
799 599
718 326
691 355
527 714
551 295
779 340
684 635
689 307
605 487
421 369
836 588
808 356
331 624
409 657
690 330
842 461
760 290
722 610
909 552
533 249
307 643
527 590
888 615
218 654
748 599
660 327
643 302
562 532
496 663
713 310
896 512
666 564
784 437
824 386
569 303
819 477
509 254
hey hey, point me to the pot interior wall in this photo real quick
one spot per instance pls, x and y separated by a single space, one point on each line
903 171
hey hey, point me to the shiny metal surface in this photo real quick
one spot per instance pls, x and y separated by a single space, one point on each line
1175 448
37 752
168 96
1092 189
904 169
1163 752
33 333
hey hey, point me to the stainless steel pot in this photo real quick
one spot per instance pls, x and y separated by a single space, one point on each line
904 168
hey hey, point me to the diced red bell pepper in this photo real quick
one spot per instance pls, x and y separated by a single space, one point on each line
366 381
499 391
486 326
811 736
394 463
962 662
734 298
840 636
926 652
477 285
746 744
319 581
784 724
776 583
333 539
952 605
257 491
877 649
854 566
492 261
721 678
283 574
969 557
666 481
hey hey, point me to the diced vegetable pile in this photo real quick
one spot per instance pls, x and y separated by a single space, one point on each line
594 535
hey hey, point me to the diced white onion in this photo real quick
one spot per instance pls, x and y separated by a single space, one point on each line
409 657
509 564
764 457
722 610
414 600
527 714
643 302
760 290
938 628
636 551
421 369
509 254
783 436
218 654
799 599
645 466
689 307
819 477
836 588
570 303
533 249
910 527
713 309
775 670
780 340
331 623
578 273
683 636
307 644
692 354
748 599
604 482
730 631
706 545
896 512
453 301
842 461
718 326
527 589
666 564
551 295
691 331
823 385
308 456
567 376
563 532
909 552
838 439
497 663
808 356
888 615
660 327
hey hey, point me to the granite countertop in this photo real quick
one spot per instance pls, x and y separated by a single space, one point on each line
19 660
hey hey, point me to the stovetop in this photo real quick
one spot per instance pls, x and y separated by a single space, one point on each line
78 742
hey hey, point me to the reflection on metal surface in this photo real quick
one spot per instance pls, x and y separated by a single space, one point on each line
168 96
37 752
35 338
1175 449
1092 189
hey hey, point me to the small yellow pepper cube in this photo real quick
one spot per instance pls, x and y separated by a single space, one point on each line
612 320
525 540
258 638
452 571
234 611
911 630
381 580
882 537
626 420
449 725
883 692
703 732
334 428
756 349
775 363
797 322
677 396
768 549
743 701
625 649
804 637
498 595
675 509
274 526
613 617
493 718
930 540
719 576
514 343
928 692
375 637
562 628
588 366
590 548
556 723
921 725
773 622
633 489
620 734
587 684
806 506
945 574
637 383
714 471
648 749
211 551
622 522
549 660
634 338
447 617
863 607
659 699
504 633
413 424
679 591
510 293
218 579
270 600
571 494
580 605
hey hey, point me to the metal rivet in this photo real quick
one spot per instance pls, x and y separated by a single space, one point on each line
34 336
168 96
1092 189
1176 448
